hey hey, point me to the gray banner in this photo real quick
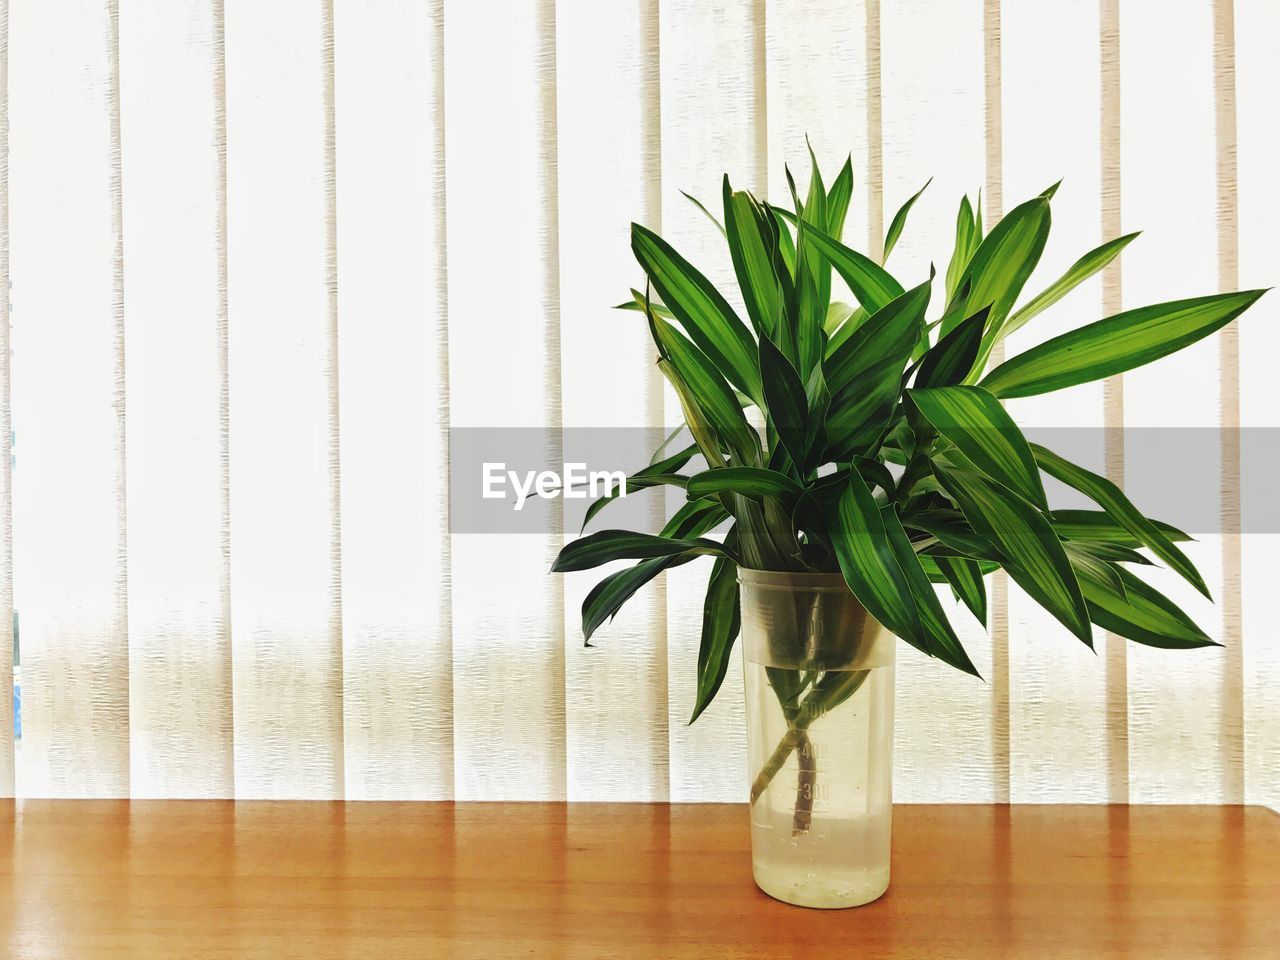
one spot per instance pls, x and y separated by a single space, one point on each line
513 480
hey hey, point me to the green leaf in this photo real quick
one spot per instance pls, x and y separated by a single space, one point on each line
755 482
845 330
667 442
818 398
704 434
957 308
930 566
782 213
985 434
803 342
837 315
671 464
967 237
815 204
700 309
701 387
720 625
1116 344
695 518
1032 553
1100 569
941 638
607 597
875 473
1138 612
784 395
838 198
870 283
705 212
1080 271
1005 260
1113 552
1112 499
634 484
766 539
763 277
965 577
609 545
655 474
1099 526
952 532
637 303
949 361
858 413
899 221
812 298
869 565
887 336
786 243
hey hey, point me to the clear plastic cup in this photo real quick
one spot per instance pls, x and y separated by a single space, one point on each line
819 688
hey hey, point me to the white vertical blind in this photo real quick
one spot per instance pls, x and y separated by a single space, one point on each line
285 602
1169 188
179 653
713 122
6 434
1257 23
1051 129
270 262
392 315
68 387
606 102
933 110
504 371
817 87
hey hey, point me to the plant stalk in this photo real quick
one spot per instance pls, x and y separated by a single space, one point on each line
806 786
821 700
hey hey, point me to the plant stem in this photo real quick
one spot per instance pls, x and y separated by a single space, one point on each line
821 700
806 786
790 740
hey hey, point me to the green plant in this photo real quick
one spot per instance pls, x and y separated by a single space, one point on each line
847 391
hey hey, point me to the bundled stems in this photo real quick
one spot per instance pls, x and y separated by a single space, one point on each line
833 689
806 785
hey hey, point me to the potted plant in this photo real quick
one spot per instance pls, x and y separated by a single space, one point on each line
886 464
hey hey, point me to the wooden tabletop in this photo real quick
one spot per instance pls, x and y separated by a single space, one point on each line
84 879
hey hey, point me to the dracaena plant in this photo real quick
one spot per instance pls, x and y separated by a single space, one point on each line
886 453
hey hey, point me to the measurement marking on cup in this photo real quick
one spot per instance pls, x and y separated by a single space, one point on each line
811 750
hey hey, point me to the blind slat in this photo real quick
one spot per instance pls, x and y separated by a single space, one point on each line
69 550
179 641
504 354
615 692
6 436
1257 91
1174 702
713 121
933 116
1051 125
398 668
286 638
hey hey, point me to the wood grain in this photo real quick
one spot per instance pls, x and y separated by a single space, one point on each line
208 879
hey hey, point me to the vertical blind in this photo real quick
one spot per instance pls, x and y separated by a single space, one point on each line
262 256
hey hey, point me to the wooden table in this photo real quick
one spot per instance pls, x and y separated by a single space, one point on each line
83 879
